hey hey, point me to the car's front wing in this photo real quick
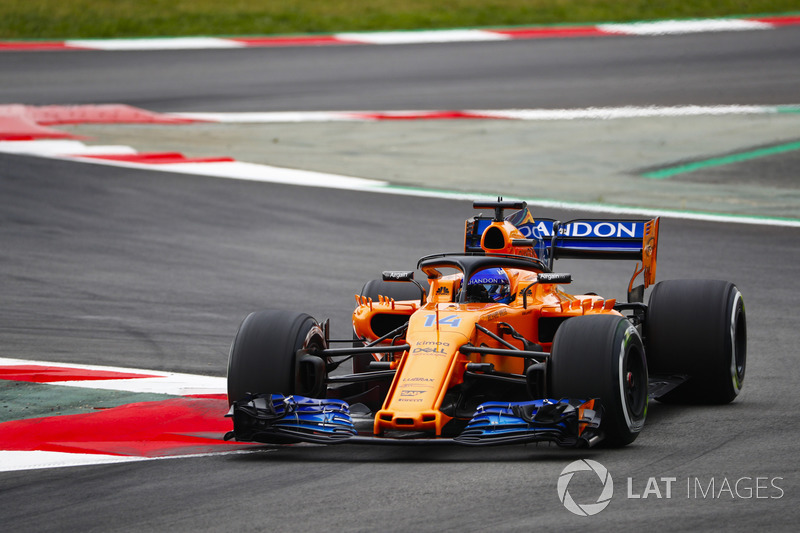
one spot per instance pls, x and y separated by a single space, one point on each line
278 419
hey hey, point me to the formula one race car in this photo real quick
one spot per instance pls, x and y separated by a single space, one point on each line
492 349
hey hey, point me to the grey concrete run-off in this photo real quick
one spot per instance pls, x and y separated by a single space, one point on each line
594 161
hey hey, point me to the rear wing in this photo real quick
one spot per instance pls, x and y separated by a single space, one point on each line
590 238
584 238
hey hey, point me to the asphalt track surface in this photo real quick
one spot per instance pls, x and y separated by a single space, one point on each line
153 270
758 67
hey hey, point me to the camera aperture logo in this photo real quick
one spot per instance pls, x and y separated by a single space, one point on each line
585 509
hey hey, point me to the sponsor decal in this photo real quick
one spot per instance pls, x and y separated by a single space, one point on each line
430 347
605 229
599 229
490 278
547 277
429 350
414 385
398 275
419 380
443 291
495 315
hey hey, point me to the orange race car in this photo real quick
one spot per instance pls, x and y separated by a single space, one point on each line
491 349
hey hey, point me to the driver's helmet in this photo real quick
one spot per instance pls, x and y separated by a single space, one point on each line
490 285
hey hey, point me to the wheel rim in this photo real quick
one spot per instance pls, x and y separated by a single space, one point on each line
738 343
306 379
635 384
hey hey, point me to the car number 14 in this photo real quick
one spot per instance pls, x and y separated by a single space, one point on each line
450 320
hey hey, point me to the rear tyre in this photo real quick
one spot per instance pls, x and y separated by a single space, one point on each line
698 328
602 356
391 289
263 355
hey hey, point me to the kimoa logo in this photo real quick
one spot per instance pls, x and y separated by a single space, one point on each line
586 509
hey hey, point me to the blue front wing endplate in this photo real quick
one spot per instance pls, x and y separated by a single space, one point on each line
274 418
278 419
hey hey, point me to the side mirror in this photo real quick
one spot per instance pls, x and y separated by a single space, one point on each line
398 275
405 275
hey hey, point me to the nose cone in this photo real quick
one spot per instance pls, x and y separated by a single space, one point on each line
426 371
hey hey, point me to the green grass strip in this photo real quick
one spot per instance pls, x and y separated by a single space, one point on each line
719 161
58 19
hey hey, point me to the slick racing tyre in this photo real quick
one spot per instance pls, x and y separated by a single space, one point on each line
602 357
391 289
697 328
263 356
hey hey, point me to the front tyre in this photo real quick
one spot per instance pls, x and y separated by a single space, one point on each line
263 355
698 328
602 357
